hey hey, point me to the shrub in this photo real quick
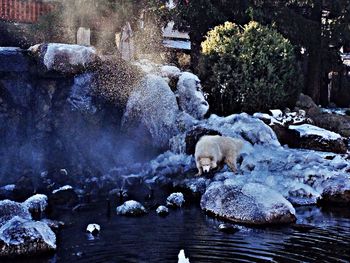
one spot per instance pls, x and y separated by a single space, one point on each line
250 68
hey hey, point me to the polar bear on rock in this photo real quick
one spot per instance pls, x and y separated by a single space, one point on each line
215 151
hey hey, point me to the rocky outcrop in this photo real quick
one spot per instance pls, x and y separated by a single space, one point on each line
151 113
252 203
64 58
23 237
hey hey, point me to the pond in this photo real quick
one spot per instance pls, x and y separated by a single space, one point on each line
156 239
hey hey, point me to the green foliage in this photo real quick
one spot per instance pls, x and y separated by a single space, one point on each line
250 69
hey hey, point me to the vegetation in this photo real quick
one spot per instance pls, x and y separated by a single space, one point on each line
250 69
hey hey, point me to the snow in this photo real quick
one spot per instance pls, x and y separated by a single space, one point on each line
191 97
308 130
162 210
177 44
91 228
339 111
182 258
63 188
75 54
131 207
175 200
36 202
18 231
9 187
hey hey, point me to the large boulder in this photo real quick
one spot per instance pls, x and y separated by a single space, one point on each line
151 113
315 138
306 103
10 209
64 58
252 203
191 97
23 237
333 122
336 192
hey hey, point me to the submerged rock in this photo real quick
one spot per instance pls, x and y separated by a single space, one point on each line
162 210
175 200
23 237
249 204
10 209
228 228
131 208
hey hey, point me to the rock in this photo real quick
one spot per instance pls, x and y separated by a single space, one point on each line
53 224
286 136
24 187
10 209
64 58
306 103
64 196
131 208
93 229
144 119
315 138
191 98
80 97
36 205
193 136
13 59
228 228
252 203
162 210
336 192
23 237
333 122
243 125
6 191
175 200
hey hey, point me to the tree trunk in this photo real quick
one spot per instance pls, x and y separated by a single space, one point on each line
314 75
196 40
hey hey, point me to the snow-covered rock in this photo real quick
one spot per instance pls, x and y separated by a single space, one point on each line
64 58
131 208
175 200
336 192
93 229
151 112
306 130
10 209
251 203
6 191
170 71
80 96
23 237
191 97
64 196
36 204
162 210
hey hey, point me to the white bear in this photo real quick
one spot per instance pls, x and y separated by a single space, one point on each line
215 151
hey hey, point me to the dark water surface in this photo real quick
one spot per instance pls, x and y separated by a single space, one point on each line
155 239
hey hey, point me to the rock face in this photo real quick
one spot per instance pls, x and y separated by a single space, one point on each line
249 204
191 98
23 237
64 58
131 208
151 112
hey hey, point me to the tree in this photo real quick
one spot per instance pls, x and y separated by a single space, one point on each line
249 69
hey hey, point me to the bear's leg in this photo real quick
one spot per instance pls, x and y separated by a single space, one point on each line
200 171
232 164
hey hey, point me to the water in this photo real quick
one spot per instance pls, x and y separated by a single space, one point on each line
155 239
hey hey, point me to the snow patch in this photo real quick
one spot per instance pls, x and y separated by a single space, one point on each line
307 130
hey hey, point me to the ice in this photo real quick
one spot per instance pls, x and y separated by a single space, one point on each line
182 258
18 231
36 202
307 130
63 188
